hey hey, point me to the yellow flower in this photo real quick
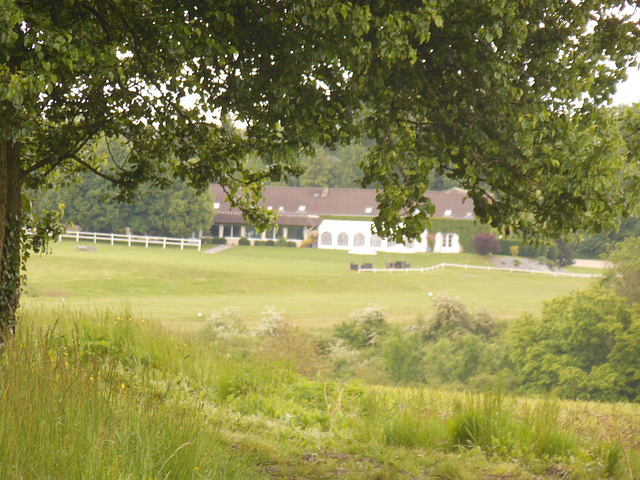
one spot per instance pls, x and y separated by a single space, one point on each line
123 385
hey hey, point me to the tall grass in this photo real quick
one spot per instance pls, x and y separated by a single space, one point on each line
108 395
70 409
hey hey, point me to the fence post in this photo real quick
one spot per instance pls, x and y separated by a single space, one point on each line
182 244
199 244
164 243
146 241
112 239
129 239
77 236
95 238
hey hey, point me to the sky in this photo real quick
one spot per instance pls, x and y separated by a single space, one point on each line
629 91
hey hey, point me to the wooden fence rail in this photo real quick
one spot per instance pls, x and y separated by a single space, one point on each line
479 267
129 239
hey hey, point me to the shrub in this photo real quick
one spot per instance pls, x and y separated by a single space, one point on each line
273 323
281 242
308 243
218 241
244 242
452 319
263 243
364 327
402 357
223 324
513 250
486 244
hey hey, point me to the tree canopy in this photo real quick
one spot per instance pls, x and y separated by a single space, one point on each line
504 97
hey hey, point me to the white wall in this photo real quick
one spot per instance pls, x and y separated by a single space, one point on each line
352 229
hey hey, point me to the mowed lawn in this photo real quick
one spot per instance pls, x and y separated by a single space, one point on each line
314 287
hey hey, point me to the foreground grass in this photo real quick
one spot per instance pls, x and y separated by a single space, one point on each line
313 286
111 395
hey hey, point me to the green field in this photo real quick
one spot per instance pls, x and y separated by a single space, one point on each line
314 287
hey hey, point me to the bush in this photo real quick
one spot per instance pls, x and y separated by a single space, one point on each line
364 327
263 243
281 242
218 241
273 323
486 244
244 242
223 324
402 357
452 319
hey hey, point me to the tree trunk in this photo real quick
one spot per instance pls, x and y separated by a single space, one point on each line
10 232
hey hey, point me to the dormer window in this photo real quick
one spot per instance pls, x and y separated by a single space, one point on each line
469 214
281 208
302 208
368 210
447 213
216 205
270 207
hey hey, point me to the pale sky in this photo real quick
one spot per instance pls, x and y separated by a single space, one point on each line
629 91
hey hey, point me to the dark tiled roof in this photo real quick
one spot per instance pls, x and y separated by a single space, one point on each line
302 205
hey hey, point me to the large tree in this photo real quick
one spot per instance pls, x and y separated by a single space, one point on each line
502 96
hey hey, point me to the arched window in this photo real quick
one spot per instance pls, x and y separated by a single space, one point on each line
376 241
326 238
343 240
358 240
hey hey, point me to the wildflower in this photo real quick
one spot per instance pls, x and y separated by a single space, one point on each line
123 386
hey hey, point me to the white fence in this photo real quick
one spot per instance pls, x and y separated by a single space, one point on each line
129 239
487 268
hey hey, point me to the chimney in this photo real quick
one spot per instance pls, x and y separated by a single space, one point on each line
325 192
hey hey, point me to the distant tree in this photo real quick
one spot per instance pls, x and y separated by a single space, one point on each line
565 254
486 244
624 277
575 344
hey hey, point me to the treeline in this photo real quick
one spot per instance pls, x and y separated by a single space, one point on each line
178 211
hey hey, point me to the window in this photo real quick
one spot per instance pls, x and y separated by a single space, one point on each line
343 240
272 234
295 233
447 213
270 207
216 205
376 241
302 208
252 233
448 240
326 238
281 208
368 210
358 240
232 231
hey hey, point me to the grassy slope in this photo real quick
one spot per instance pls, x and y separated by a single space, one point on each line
110 396
313 286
